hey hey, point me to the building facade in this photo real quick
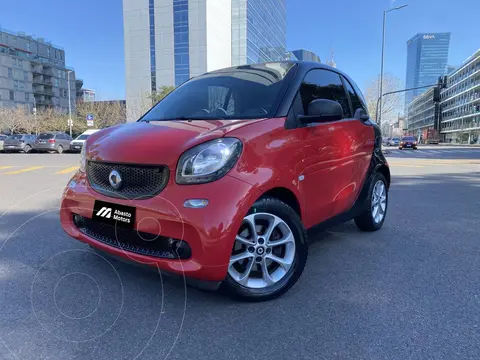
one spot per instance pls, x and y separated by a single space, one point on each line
33 73
427 59
169 41
303 55
454 112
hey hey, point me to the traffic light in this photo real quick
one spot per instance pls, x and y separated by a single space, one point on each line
442 82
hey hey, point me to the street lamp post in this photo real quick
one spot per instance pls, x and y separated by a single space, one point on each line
70 121
383 51
35 114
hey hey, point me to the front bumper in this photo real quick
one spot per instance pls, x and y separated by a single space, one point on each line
76 147
210 231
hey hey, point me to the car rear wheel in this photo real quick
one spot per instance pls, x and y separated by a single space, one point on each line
269 252
27 149
373 216
60 149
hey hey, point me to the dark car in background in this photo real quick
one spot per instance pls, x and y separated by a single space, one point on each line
19 143
53 141
408 142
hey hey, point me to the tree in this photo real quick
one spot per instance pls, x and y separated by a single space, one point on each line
106 113
12 119
391 103
161 93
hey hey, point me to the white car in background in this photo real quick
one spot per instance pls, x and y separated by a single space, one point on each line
77 144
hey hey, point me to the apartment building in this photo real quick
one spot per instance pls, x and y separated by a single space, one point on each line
33 73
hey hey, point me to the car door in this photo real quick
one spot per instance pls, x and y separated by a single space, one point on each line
326 161
357 148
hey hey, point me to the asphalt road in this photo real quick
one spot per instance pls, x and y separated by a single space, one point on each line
409 291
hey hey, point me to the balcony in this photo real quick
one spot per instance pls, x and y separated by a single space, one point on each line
43 101
40 80
42 91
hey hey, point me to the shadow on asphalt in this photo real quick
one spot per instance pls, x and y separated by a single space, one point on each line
362 295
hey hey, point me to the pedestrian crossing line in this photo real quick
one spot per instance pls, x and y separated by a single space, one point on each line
67 170
32 168
5 167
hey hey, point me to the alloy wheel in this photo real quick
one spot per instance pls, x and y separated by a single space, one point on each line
263 253
379 201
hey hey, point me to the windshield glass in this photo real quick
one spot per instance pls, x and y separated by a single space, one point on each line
409 138
82 137
45 136
246 92
395 139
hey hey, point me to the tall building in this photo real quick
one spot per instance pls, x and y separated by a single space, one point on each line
33 73
427 59
169 41
303 55
454 112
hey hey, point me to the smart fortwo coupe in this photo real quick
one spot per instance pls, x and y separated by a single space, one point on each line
220 180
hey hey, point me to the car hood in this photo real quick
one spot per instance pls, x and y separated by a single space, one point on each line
156 142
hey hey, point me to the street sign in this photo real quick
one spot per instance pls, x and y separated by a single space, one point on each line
89 122
90 117
70 122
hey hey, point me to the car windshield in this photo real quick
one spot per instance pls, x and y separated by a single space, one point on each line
409 138
82 137
245 92
395 139
15 137
45 136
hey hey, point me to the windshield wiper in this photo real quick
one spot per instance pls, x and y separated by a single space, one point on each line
186 118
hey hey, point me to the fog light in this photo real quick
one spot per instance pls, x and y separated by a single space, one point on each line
181 248
195 203
78 221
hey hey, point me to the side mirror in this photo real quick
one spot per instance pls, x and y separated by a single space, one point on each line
322 110
362 115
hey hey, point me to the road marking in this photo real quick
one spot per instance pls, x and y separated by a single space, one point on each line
407 165
5 167
67 170
24 170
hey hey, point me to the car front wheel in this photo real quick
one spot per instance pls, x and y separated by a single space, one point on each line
373 216
269 252
60 149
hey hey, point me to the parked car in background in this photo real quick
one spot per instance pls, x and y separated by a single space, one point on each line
53 141
230 165
408 142
77 144
18 143
385 141
394 141
2 138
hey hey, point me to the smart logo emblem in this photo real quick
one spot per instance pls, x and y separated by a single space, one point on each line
114 214
115 179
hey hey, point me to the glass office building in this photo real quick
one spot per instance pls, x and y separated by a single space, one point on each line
169 41
259 31
427 59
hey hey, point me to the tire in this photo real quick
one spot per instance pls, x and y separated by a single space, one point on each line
60 149
27 149
366 221
400 148
296 250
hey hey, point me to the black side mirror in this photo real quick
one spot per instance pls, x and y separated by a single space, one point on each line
362 115
322 110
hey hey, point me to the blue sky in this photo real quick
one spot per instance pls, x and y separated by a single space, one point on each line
92 33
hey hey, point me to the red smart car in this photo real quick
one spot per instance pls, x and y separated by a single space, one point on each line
220 180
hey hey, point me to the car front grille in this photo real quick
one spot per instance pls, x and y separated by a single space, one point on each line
138 181
132 240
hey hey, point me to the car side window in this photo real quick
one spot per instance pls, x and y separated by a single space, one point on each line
324 84
357 103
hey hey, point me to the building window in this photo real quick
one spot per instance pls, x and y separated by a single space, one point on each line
15 85
20 63
25 76
48 51
56 82
27 97
12 95
21 85
10 73
181 41
14 62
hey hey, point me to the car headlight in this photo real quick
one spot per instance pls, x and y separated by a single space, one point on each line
209 161
83 159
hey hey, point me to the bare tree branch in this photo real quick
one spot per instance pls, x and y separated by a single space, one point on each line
391 103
